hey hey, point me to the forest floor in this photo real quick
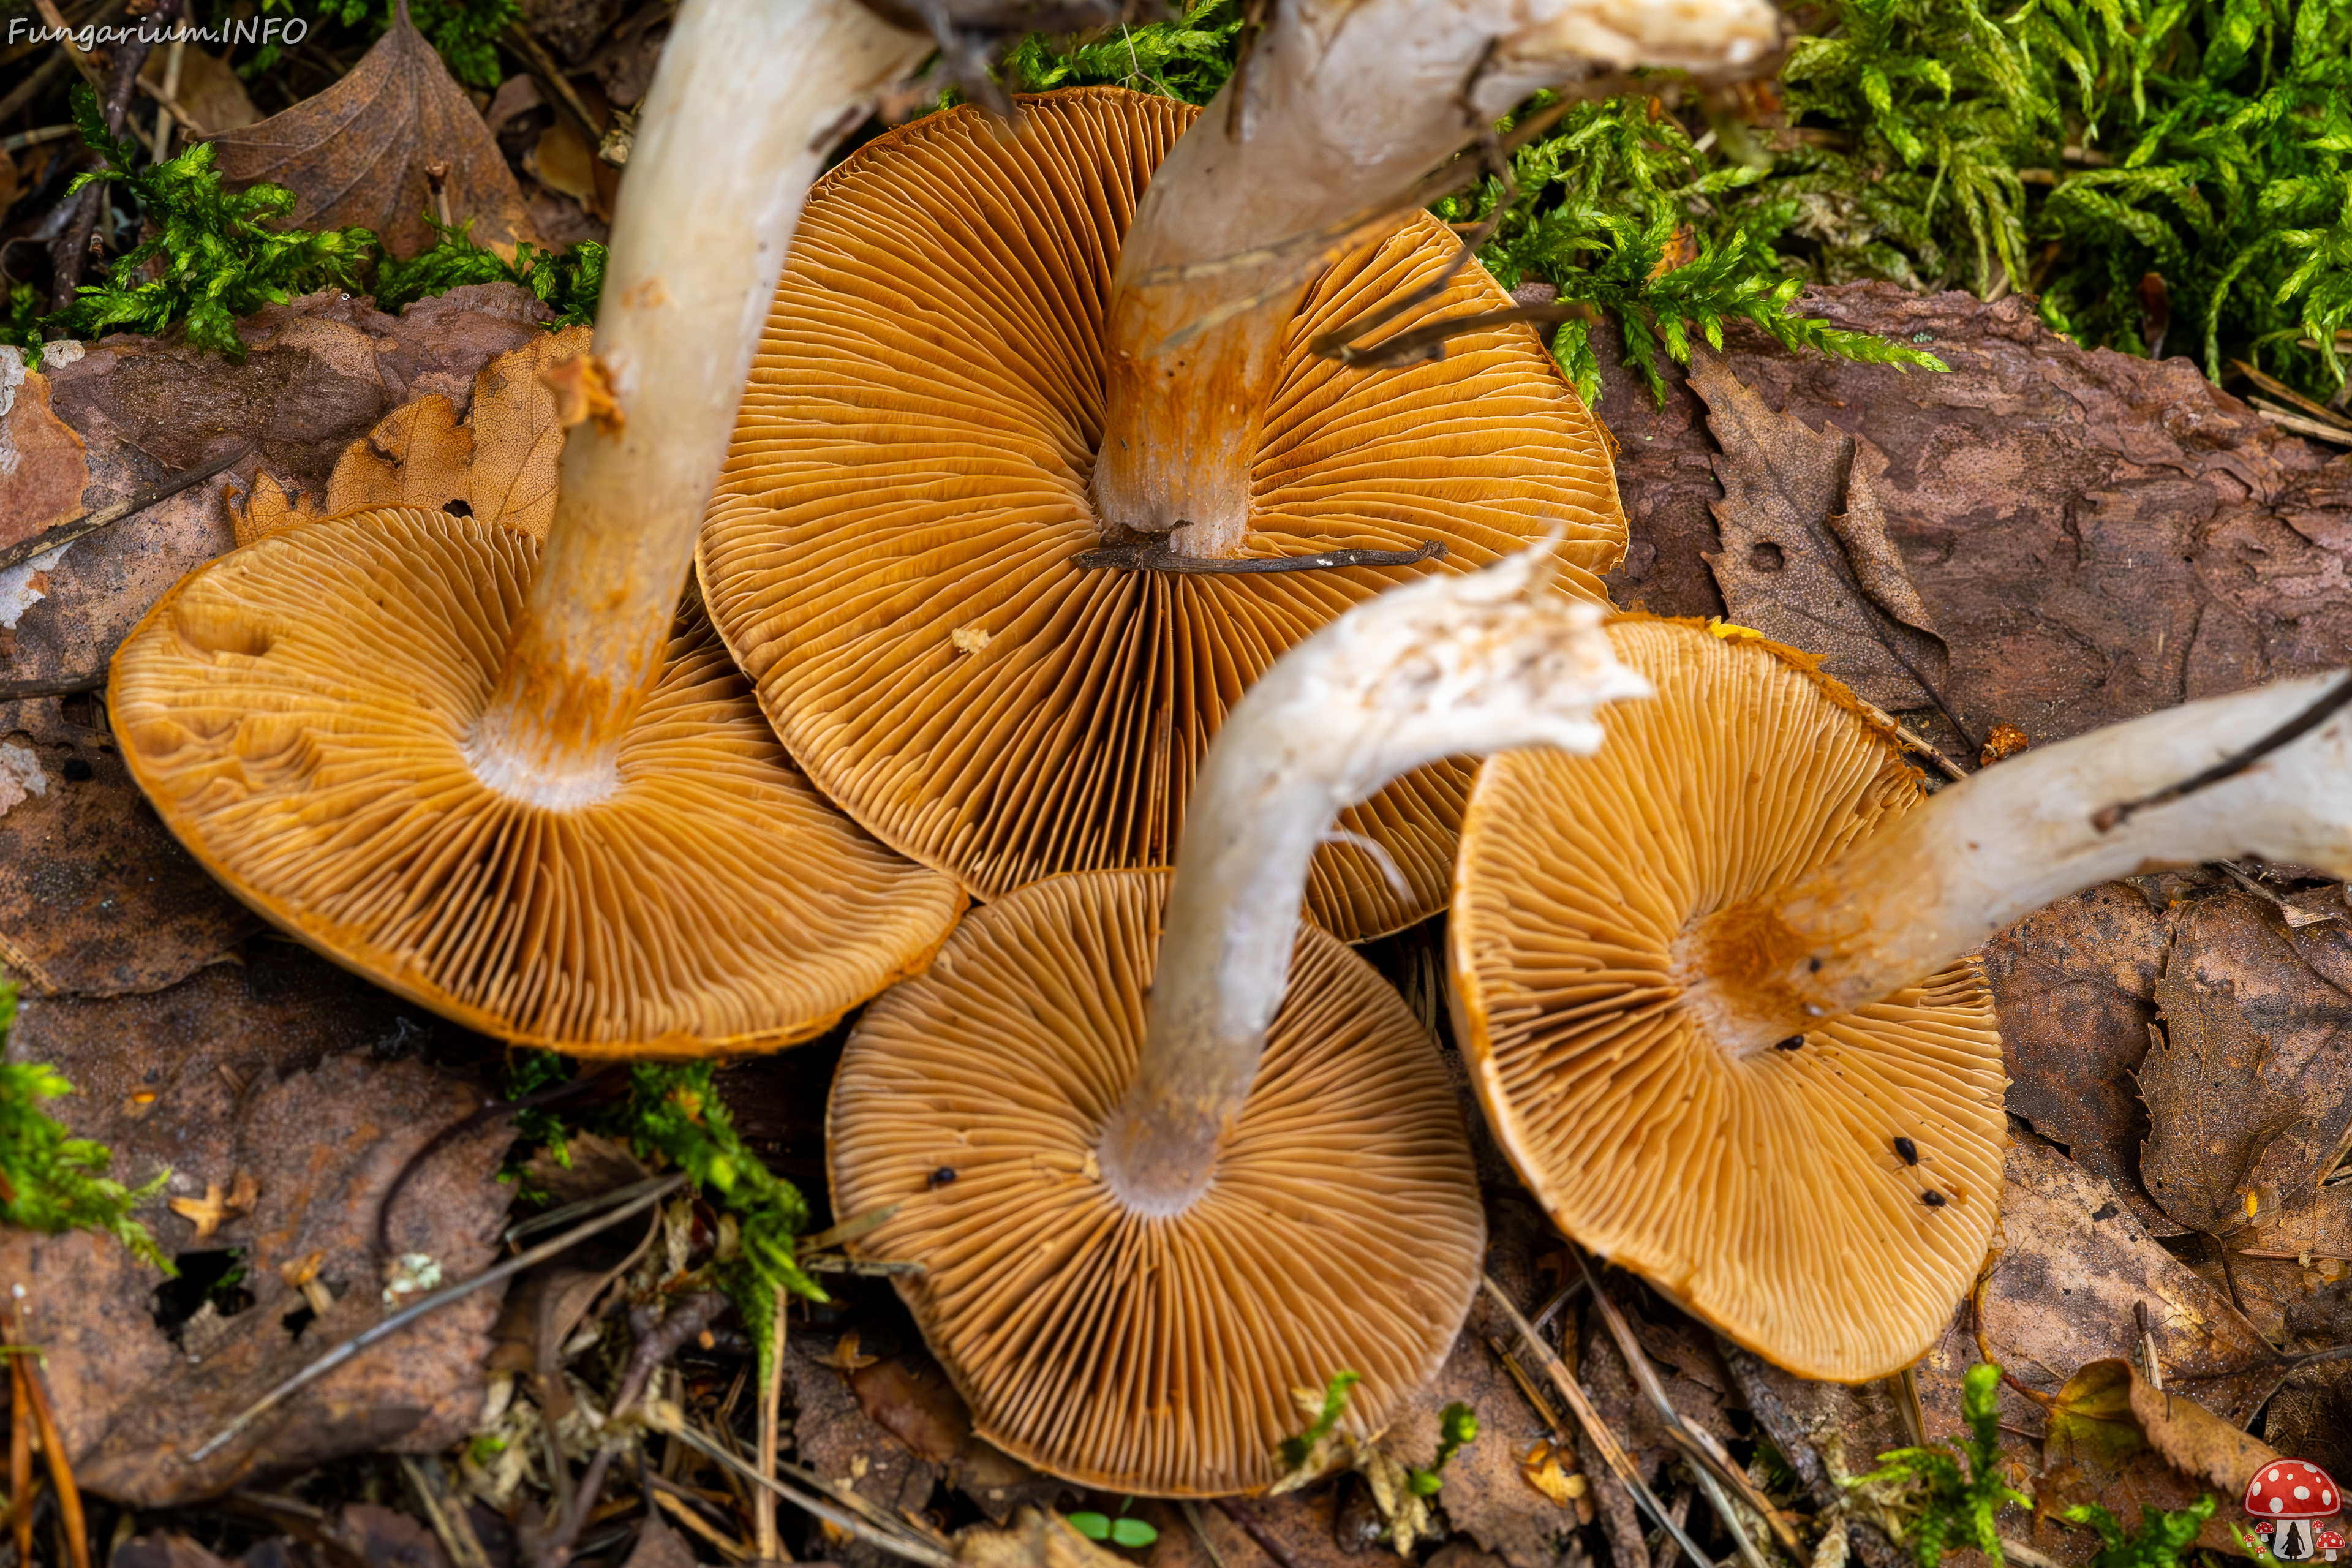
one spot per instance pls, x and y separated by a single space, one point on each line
2056 539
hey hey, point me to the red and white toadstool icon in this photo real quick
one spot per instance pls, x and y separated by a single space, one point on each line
2294 1495
2329 1543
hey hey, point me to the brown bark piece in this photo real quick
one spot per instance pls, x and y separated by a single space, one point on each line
42 470
838 1441
356 152
2094 536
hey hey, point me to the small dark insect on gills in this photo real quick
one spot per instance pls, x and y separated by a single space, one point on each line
1909 1150
1932 1198
1813 966
1790 1044
943 1175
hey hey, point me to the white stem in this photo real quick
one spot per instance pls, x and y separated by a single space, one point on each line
1346 104
1984 852
1438 668
750 97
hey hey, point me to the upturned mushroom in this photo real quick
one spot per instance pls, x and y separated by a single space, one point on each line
1000 559
496 777
1715 982
1162 1168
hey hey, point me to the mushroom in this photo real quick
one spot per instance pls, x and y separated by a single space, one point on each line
904 558
1715 982
2329 1543
497 778
1162 1168
2293 1493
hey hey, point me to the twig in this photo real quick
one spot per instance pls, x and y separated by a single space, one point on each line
659 1338
665 1495
2277 388
2147 1361
1714 1466
668 1418
20 1461
64 533
23 138
32 87
1159 557
2286 419
2025 1556
2108 818
53 1448
1191 1511
1612 1452
1908 1405
493 1110
81 61
64 686
763 1507
440 1298
558 88
2280 1361
444 1512
1255 1527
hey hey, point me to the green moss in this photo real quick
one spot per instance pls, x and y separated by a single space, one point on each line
50 1181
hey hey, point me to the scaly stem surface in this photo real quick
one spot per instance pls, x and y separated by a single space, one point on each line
1345 104
1945 877
1438 668
750 96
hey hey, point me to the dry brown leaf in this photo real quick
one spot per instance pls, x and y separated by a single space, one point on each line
356 152
2066 1288
97 898
501 463
42 467
210 92
2114 1440
267 509
1038 1539
283 1072
2075 985
567 165
545 1304
658 1546
2212 1105
1805 558
582 392
909 1396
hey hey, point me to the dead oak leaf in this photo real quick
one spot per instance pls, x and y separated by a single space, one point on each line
1805 558
2212 1109
500 464
2114 1440
356 154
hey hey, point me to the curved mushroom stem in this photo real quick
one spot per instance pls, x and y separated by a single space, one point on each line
1443 666
750 96
2010 840
1346 103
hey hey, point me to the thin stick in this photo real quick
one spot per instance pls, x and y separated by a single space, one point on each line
666 1418
764 1505
2108 819
64 533
1158 557
1612 1452
53 1446
20 1461
1191 1511
440 1298
444 1512
1255 1527
1701 1447
2148 1348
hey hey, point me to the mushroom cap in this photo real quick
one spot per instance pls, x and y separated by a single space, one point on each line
1767 1194
297 712
889 552
2292 1489
1157 1356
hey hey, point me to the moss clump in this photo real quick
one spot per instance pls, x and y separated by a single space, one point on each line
50 1181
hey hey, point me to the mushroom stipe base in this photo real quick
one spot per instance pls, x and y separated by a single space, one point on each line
1343 1229
899 553
1825 1204
299 712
